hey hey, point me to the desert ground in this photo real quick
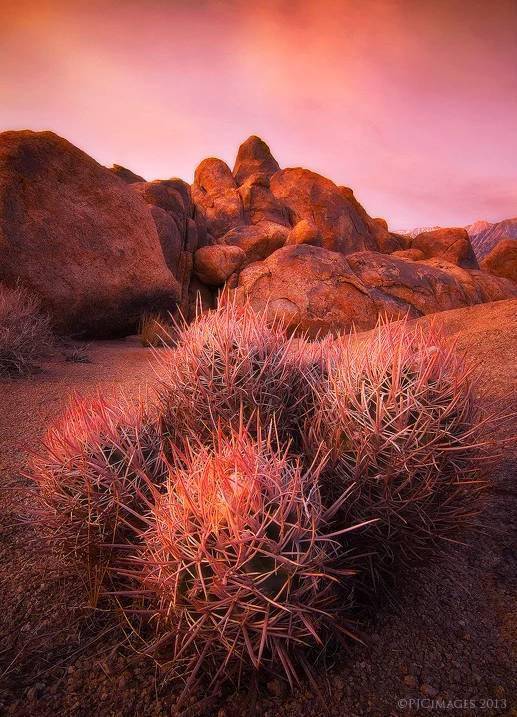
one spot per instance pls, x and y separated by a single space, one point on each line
449 636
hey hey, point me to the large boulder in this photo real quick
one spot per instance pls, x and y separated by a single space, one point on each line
342 222
215 194
453 245
171 239
493 288
382 223
254 158
385 241
76 235
257 241
502 260
389 242
422 286
213 265
161 193
311 289
315 290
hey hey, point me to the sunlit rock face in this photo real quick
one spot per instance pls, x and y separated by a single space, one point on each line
317 291
453 245
502 260
77 236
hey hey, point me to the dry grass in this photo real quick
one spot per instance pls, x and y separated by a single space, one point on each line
156 331
25 334
78 354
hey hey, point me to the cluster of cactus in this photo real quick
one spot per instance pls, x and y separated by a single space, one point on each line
271 485
397 416
241 560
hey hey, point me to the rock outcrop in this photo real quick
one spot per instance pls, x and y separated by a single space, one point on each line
502 260
411 254
453 245
257 241
305 232
483 235
100 247
259 204
76 235
425 287
254 159
316 291
213 265
215 193
332 209
310 288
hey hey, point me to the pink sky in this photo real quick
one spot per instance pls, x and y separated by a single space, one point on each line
412 103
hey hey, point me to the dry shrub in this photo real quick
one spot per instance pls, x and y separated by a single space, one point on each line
399 420
78 354
232 366
25 334
240 563
156 331
95 470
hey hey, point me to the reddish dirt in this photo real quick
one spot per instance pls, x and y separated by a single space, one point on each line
449 636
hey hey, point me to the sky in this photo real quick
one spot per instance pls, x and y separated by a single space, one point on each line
412 103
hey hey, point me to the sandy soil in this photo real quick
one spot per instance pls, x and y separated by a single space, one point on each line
450 636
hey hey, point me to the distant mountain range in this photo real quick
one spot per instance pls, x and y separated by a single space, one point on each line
483 235
416 231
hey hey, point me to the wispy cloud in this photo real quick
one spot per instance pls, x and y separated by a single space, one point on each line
412 104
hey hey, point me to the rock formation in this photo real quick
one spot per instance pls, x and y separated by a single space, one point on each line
101 247
319 291
453 245
254 159
173 211
257 241
502 260
79 237
213 265
332 210
483 235
215 193
305 232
